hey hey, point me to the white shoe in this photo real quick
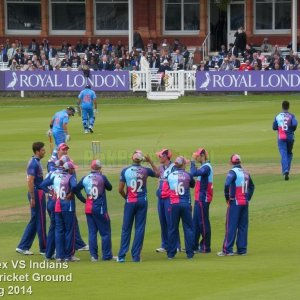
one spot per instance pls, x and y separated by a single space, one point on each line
161 250
86 131
115 257
84 248
225 254
91 129
74 259
93 259
24 252
42 253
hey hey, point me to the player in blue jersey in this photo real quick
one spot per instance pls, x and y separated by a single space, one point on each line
136 204
238 191
87 107
59 126
163 197
203 198
286 124
95 184
36 197
180 183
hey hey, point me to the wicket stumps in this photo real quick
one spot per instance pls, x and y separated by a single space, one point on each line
96 149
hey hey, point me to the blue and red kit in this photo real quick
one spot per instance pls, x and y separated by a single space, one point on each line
163 203
37 223
95 184
135 209
286 124
59 119
238 191
203 198
180 183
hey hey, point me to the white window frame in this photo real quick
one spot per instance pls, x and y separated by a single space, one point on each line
179 32
272 31
21 31
63 32
110 32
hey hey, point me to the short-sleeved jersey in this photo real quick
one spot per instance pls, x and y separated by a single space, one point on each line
95 185
34 168
135 177
285 123
238 186
59 119
87 97
163 191
63 184
204 182
180 183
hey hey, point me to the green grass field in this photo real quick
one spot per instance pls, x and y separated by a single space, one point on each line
223 125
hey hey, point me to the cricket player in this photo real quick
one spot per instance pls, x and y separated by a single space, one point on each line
163 196
87 108
59 126
286 124
180 183
95 184
136 204
238 191
36 197
203 197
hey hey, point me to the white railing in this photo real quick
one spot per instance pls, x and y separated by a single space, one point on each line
205 46
174 81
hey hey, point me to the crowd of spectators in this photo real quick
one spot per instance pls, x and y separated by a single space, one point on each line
266 57
93 55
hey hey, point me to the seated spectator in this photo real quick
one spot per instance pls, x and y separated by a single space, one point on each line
89 45
104 64
98 46
226 66
65 63
154 60
165 46
47 66
176 46
287 64
55 61
93 64
261 57
3 55
19 56
162 70
136 62
255 60
202 67
75 60
266 47
51 52
28 66
234 62
80 46
256 66
210 63
64 46
93 54
14 65
118 68
223 52
108 46
151 46
33 46
246 66
276 59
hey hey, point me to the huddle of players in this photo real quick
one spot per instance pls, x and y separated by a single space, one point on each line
174 204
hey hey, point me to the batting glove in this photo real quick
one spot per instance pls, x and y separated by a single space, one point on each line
49 132
68 137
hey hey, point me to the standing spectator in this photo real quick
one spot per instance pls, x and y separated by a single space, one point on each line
286 124
238 191
177 60
36 197
240 41
95 184
138 42
144 64
136 204
203 198
59 126
87 108
186 55
180 183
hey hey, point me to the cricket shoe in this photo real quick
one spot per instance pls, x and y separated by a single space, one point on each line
86 131
286 176
160 250
221 253
120 260
240 254
24 252
84 248
72 259
93 259
91 129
